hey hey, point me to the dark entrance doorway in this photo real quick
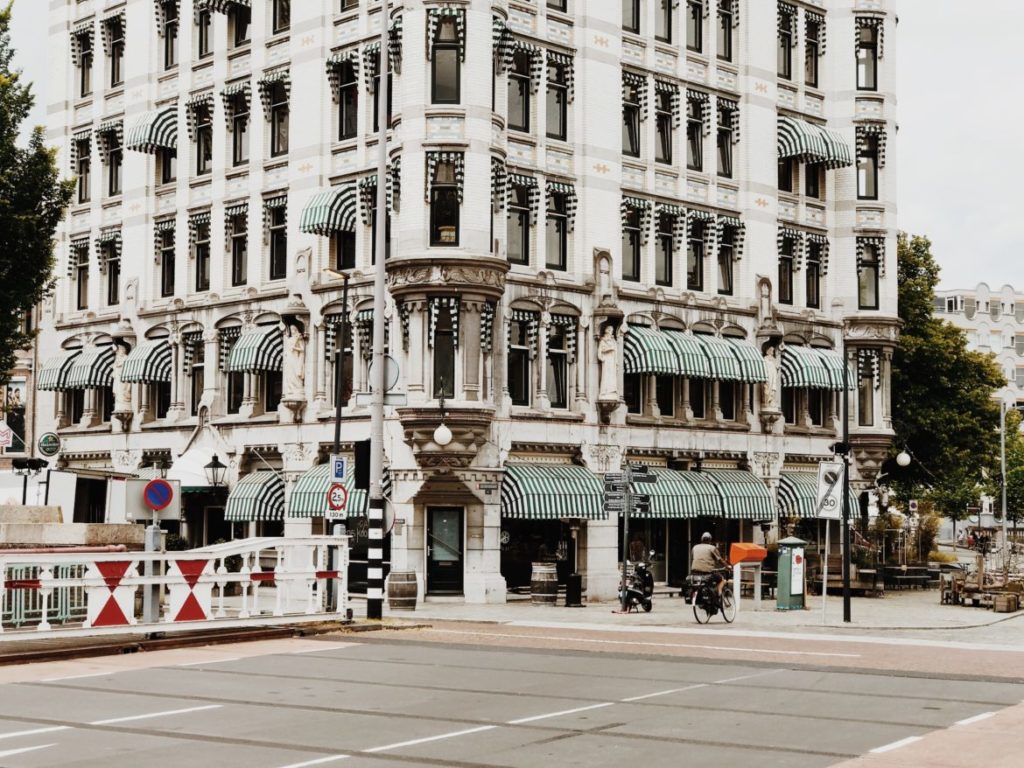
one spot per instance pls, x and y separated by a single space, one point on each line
445 550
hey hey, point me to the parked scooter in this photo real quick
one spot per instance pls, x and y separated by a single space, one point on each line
640 587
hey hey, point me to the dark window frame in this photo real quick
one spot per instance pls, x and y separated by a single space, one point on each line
631 16
278 229
556 232
519 218
444 362
812 276
786 168
85 61
239 249
813 186
344 246
695 257
725 154
812 46
725 22
519 91
83 171
168 165
868 264
167 263
664 128
204 33
204 140
631 246
694 136
726 263
116 55
632 144
557 102
445 49
171 26
112 261
240 17
348 102
281 16
115 166
558 367
445 207
784 50
201 254
376 100
695 25
867 168
663 18
786 265
280 117
519 362
665 256
240 125
867 59
82 284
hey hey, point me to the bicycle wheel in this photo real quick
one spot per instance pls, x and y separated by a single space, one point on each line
700 609
728 605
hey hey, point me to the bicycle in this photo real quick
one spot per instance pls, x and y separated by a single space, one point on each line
706 602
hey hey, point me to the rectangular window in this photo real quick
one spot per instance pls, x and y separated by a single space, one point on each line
867 59
786 166
558 367
632 383
813 275
866 401
168 162
558 5
272 387
811 49
115 155
202 256
170 34
279 114
695 257
557 232
106 396
82 281
84 171
204 40
789 405
236 391
867 168
167 262
348 102
345 250
631 119
519 374
278 243
695 25
85 65
204 140
665 127
519 225
699 398
444 355
786 272
239 249
112 259
812 180
348 5
445 64
240 17
160 397
631 16
665 394
725 18
663 20
197 376
519 92
725 149
726 250
867 277
666 250
631 245
282 15
817 400
240 131
116 31
558 101
376 101
444 207
694 135
728 396
785 45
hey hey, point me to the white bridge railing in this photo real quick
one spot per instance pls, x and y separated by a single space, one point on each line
249 581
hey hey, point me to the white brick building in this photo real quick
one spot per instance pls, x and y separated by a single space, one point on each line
555 170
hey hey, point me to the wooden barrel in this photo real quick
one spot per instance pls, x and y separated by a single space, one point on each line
402 591
544 584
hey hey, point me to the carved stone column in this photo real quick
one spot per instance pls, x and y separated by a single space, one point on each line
469 342
580 367
886 374
541 399
417 347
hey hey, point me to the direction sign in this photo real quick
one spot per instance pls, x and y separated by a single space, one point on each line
644 479
639 469
157 494
49 444
337 497
830 490
339 468
614 477
614 487
912 506
614 495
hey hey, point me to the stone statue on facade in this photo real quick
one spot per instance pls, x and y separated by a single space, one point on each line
607 355
122 388
294 374
770 393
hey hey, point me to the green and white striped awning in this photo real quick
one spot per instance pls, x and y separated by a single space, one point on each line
725 365
333 210
551 492
257 496
837 152
646 350
261 349
93 369
798 495
53 376
693 362
800 139
154 130
148 363
744 495
750 360
803 367
679 494
833 362
309 495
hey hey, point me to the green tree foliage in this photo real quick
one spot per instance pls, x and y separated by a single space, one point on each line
944 410
32 202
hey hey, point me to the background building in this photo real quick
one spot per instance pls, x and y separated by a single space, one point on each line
558 174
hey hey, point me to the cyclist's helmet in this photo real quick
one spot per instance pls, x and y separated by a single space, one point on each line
705 536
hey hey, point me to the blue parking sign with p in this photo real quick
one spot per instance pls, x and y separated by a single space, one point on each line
339 468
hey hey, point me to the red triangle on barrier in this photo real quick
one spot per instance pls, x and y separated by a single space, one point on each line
113 572
191 610
111 615
191 570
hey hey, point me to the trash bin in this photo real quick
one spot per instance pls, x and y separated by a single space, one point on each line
789 594
574 591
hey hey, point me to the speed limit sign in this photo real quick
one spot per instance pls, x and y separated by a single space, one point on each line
337 497
830 490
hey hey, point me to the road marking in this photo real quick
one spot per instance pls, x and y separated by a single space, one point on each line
81 677
209 661
645 644
439 737
321 761
113 720
522 720
664 693
975 719
11 752
896 744
748 677
34 731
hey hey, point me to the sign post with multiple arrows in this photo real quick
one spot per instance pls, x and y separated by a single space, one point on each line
620 499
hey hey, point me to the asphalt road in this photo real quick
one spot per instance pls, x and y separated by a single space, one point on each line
388 699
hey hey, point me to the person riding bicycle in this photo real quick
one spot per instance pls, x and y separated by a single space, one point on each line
709 563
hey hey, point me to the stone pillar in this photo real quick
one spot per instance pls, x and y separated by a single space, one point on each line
886 375
214 395
90 410
248 407
687 409
601 555
716 400
316 349
579 396
483 580
651 406
541 400
470 344
417 349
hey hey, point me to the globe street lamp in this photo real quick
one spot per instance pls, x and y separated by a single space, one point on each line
442 435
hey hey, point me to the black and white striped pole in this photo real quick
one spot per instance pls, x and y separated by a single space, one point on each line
375 510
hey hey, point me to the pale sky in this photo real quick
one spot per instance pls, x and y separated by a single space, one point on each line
961 159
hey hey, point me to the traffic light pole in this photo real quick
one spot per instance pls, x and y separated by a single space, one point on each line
627 476
846 488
